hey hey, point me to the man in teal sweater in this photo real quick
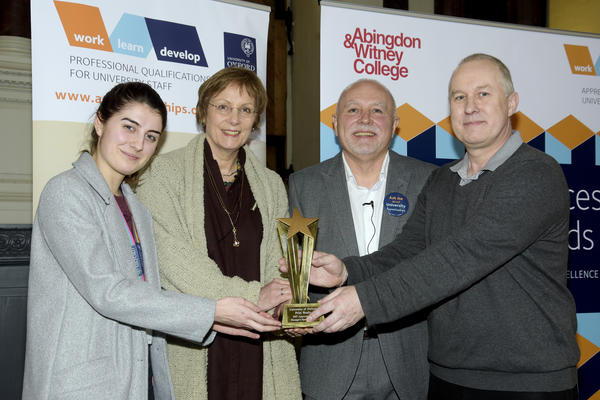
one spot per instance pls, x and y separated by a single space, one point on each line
486 249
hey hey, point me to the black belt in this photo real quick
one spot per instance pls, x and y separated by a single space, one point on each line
369 333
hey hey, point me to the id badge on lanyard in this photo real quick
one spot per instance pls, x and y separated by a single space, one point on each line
136 247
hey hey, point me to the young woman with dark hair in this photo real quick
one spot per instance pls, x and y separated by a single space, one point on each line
97 315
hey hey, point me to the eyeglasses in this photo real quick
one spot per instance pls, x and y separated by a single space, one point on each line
226 109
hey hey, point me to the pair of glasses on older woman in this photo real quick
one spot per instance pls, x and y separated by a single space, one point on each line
226 109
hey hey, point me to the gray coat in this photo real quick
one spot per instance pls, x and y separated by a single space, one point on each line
328 362
88 311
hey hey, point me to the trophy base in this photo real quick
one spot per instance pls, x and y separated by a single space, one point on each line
294 315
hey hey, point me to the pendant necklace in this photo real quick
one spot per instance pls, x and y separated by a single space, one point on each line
236 242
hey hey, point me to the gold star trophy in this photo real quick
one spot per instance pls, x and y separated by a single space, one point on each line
294 314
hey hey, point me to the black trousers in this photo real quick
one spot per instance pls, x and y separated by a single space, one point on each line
442 390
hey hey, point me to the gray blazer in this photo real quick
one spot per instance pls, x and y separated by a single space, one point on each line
88 313
328 362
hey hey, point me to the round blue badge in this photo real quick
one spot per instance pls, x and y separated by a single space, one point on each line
396 204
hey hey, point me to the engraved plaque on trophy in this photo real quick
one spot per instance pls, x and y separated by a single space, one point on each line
297 238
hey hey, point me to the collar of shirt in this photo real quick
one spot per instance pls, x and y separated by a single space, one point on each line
507 150
382 174
366 205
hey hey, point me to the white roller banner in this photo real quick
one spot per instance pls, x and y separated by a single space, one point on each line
83 48
557 76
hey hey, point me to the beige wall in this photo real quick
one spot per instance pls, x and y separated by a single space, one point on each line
422 6
305 84
574 15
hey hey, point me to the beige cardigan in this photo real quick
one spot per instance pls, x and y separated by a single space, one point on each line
173 191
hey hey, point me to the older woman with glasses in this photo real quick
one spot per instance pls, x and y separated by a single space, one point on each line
214 205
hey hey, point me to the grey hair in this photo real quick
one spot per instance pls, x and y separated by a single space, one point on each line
505 78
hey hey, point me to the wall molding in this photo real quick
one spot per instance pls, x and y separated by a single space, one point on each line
15 187
15 53
15 244
16 178
16 131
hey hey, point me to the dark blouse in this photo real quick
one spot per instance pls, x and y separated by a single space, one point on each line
235 364
124 207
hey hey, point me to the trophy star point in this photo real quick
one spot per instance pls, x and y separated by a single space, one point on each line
298 223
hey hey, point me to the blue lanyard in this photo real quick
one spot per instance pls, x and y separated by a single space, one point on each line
136 247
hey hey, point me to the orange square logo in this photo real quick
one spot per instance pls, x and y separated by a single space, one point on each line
580 59
83 25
